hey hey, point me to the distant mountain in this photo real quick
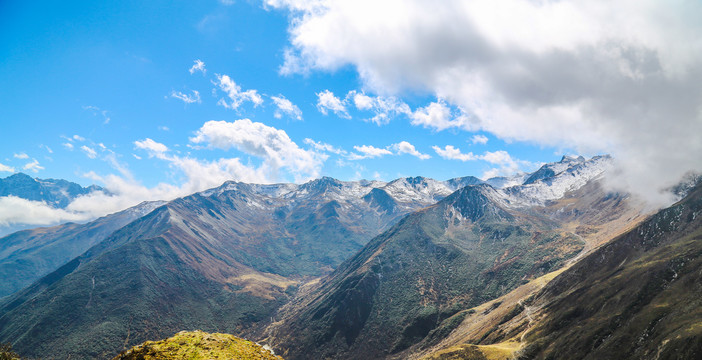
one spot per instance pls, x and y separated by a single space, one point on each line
228 258
411 283
54 192
222 260
27 255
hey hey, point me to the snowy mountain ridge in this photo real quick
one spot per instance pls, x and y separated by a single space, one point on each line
550 182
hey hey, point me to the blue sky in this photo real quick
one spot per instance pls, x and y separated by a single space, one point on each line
110 92
68 68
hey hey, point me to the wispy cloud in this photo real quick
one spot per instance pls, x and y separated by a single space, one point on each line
6 168
326 100
385 108
198 67
368 151
33 166
285 106
187 98
96 110
20 156
89 152
235 94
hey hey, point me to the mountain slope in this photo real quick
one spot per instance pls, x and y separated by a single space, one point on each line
495 329
456 254
27 255
637 297
221 260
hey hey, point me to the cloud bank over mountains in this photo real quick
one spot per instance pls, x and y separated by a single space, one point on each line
620 77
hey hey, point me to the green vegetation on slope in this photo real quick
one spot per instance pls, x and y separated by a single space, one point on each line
198 345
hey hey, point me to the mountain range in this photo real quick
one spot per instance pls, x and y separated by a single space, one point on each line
411 268
55 193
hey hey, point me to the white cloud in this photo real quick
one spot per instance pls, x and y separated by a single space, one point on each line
453 153
89 152
233 91
326 100
15 210
479 139
154 148
77 138
136 156
403 147
68 146
199 66
385 108
188 99
438 115
33 166
20 156
164 128
324 147
5 168
272 145
368 151
285 106
569 74
507 165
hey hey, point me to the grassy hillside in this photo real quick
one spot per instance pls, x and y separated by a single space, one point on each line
198 345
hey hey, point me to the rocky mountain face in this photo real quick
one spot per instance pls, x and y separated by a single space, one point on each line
637 297
228 258
222 259
416 282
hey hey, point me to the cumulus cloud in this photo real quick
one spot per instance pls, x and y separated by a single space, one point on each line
154 148
285 106
403 147
622 77
272 145
235 94
68 146
89 152
453 153
20 156
479 139
506 164
187 98
77 138
324 147
439 116
199 66
368 151
5 168
33 166
385 108
326 100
